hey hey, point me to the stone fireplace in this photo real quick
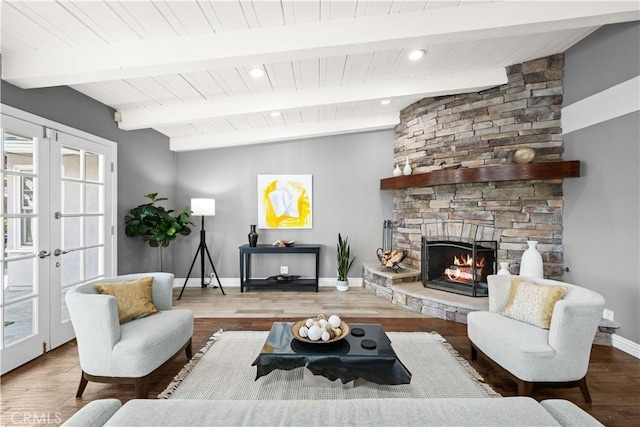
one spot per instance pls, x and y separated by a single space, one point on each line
454 136
459 267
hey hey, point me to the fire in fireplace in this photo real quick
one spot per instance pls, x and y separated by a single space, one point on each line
458 267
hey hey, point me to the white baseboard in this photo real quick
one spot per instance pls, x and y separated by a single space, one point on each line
628 346
234 282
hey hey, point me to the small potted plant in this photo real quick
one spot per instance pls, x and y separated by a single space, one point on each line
156 225
345 262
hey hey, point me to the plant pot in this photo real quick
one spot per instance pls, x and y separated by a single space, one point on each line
342 285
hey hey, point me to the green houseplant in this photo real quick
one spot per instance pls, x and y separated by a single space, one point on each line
156 225
345 262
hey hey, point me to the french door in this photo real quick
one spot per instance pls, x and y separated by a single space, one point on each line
59 225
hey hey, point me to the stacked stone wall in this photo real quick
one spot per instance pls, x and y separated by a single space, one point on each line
485 129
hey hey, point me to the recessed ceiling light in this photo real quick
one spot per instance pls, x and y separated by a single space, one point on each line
256 72
385 102
416 54
276 114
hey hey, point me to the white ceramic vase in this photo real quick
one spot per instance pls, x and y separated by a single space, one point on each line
504 269
342 285
397 171
531 262
407 168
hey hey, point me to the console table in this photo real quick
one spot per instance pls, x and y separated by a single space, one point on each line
247 282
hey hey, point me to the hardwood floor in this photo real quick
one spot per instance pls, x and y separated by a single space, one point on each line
44 389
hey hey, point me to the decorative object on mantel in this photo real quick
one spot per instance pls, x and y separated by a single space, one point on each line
504 269
345 262
524 155
407 167
531 263
283 243
391 258
397 171
253 236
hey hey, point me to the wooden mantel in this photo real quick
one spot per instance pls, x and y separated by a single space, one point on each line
510 172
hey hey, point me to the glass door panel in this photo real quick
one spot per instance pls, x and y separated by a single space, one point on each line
25 295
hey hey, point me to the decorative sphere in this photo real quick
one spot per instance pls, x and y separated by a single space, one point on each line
315 333
334 321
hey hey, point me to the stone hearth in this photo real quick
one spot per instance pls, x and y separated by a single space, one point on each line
405 290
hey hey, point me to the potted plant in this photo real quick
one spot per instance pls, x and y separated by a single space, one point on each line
155 224
345 262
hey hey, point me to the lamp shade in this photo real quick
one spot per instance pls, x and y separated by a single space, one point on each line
204 207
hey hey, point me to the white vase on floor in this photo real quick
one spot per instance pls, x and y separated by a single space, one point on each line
504 269
531 262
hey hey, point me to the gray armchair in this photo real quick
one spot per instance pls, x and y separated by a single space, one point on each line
554 357
129 353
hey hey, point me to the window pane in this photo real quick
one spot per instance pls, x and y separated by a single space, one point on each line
18 152
17 231
71 197
19 278
71 264
93 263
19 321
93 231
94 199
94 167
71 232
71 163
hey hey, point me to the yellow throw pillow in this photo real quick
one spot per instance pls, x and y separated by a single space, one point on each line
133 296
532 303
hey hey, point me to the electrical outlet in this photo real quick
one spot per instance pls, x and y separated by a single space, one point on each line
607 314
284 269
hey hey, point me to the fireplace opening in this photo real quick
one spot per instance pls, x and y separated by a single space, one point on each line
458 267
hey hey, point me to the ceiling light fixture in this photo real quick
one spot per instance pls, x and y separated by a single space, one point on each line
416 54
256 73
385 102
276 114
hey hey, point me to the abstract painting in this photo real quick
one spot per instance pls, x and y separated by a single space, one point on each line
284 201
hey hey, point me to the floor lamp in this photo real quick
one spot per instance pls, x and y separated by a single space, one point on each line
203 207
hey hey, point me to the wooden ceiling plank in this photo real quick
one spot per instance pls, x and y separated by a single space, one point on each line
300 42
149 17
283 133
306 11
230 15
14 16
334 70
232 82
200 110
102 17
343 9
169 14
269 13
310 75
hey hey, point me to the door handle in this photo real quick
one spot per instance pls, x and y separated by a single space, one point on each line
59 252
43 254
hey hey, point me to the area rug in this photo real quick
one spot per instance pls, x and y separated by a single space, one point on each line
222 370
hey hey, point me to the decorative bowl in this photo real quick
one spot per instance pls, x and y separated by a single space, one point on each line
296 327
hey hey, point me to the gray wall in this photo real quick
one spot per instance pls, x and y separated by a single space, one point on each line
601 214
145 163
346 173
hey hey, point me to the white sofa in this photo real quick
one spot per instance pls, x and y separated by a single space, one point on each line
554 357
131 352
508 411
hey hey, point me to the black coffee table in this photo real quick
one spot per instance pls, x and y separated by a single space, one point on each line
345 359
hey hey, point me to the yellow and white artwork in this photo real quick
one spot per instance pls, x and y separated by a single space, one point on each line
284 201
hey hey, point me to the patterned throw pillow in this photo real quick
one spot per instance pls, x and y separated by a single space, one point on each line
133 296
532 303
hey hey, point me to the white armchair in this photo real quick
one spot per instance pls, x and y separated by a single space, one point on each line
130 353
554 357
